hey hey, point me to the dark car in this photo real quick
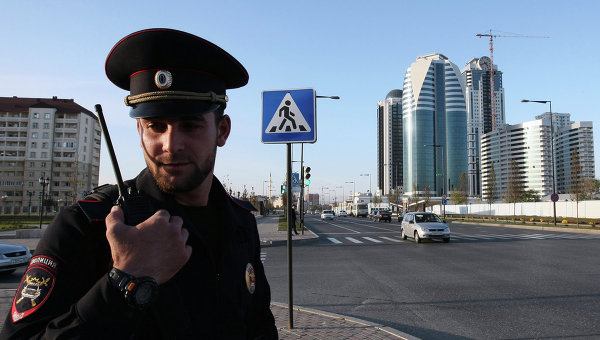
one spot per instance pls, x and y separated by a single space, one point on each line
401 216
383 215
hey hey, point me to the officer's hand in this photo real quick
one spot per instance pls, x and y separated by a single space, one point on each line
155 247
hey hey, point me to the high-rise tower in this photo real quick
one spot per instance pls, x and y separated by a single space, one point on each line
479 112
434 126
389 143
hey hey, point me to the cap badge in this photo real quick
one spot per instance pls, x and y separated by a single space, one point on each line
250 278
163 79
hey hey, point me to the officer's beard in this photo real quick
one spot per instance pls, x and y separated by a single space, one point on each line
183 183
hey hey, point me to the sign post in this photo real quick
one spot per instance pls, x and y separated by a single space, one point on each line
289 116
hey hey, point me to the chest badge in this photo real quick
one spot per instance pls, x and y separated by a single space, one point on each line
250 278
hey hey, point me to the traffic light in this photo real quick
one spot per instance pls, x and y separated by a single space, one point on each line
283 189
307 175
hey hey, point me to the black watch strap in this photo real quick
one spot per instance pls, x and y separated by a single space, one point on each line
119 278
130 286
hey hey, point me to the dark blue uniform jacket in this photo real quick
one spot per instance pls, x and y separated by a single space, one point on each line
208 298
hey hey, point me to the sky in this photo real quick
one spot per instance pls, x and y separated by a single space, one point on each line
357 50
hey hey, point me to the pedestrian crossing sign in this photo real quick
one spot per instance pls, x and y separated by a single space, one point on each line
289 116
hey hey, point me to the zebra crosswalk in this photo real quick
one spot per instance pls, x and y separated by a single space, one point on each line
456 237
263 256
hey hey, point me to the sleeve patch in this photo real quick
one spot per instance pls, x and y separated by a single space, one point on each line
35 287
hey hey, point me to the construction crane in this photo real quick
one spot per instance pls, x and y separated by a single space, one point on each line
492 36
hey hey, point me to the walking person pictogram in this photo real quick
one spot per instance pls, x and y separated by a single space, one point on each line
287 115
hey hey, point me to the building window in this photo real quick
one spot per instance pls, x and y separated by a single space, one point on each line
31 164
32 154
33 145
34 135
44 145
44 155
46 116
45 135
43 165
34 125
46 125
36 115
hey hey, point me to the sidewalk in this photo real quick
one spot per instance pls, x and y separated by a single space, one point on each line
308 323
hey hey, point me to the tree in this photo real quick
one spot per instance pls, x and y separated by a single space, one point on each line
531 195
490 192
459 196
576 189
516 186
591 188
376 199
426 195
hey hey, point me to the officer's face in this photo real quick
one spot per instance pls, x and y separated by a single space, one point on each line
180 152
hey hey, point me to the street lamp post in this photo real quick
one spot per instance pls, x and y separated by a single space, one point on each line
343 194
371 192
321 198
353 193
29 193
551 147
43 182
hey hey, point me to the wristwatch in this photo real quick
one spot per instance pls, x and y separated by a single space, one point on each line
139 292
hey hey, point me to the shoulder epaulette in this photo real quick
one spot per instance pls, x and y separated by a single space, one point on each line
244 204
97 205
94 210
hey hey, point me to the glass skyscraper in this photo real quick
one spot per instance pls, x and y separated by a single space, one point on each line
434 123
479 112
389 143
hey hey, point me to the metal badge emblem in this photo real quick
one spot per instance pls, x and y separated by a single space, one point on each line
163 79
250 278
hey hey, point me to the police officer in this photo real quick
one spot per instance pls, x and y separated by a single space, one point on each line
191 268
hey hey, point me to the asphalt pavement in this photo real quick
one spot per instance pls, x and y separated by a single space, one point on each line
308 323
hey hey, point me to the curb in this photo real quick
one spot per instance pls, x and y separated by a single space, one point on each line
389 330
267 243
532 227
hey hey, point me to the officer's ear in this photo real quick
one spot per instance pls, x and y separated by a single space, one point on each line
223 129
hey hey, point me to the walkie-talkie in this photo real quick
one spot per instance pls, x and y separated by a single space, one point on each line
136 207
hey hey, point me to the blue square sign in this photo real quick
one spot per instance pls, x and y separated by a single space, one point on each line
289 116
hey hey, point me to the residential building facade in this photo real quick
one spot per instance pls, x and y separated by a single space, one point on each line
389 143
53 138
480 115
434 126
575 137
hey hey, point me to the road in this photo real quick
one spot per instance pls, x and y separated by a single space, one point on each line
487 283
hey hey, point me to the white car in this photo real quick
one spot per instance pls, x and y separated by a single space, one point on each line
327 215
342 213
424 225
13 256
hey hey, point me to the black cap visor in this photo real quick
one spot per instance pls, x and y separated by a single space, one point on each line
173 108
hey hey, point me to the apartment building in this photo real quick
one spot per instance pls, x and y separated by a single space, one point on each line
46 138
